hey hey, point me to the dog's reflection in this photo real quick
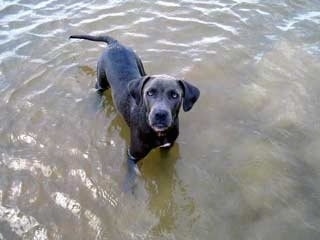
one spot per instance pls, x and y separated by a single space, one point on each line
165 188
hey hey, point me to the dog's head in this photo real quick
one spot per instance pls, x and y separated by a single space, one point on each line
162 96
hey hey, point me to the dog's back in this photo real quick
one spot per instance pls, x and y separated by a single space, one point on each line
117 65
149 104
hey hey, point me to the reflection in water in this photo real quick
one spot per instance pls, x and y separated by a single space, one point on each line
19 164
94 222
163 185
246 163
64 201
88 70
20 223
95 190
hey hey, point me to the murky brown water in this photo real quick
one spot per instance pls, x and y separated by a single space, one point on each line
246 164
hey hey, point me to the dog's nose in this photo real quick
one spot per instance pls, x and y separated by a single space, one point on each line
161 115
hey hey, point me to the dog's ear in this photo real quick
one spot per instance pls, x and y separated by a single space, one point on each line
190 94
135 88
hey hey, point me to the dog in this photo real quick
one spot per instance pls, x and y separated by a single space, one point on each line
149 104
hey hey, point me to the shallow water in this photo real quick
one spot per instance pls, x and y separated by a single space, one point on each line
246 164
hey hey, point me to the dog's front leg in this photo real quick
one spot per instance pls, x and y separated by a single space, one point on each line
138 149
136 152
132 164
132 173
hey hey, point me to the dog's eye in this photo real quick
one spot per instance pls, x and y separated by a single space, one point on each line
150 92
174 95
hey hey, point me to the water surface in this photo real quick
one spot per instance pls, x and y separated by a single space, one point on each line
246 164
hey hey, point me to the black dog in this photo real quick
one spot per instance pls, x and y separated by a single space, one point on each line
149 104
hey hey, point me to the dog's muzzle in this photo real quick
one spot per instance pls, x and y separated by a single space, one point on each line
160 119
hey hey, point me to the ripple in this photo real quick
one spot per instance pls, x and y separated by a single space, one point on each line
313 16
162 50
208 40
94 222
99 18
167 4
14 12
38 92
166 42
201 42
138 35
27 139
95 190
33 166
15 190
196 20
211 2
60 163
143 20
63 200
246 1
19 222
41 5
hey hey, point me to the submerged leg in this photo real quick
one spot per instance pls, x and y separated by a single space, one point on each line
132 173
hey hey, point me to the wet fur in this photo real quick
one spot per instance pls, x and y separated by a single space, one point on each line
122 70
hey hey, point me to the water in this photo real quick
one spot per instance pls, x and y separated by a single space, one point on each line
246 164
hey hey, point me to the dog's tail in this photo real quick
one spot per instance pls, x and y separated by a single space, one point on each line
105 38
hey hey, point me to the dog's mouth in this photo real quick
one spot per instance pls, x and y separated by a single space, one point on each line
159 128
